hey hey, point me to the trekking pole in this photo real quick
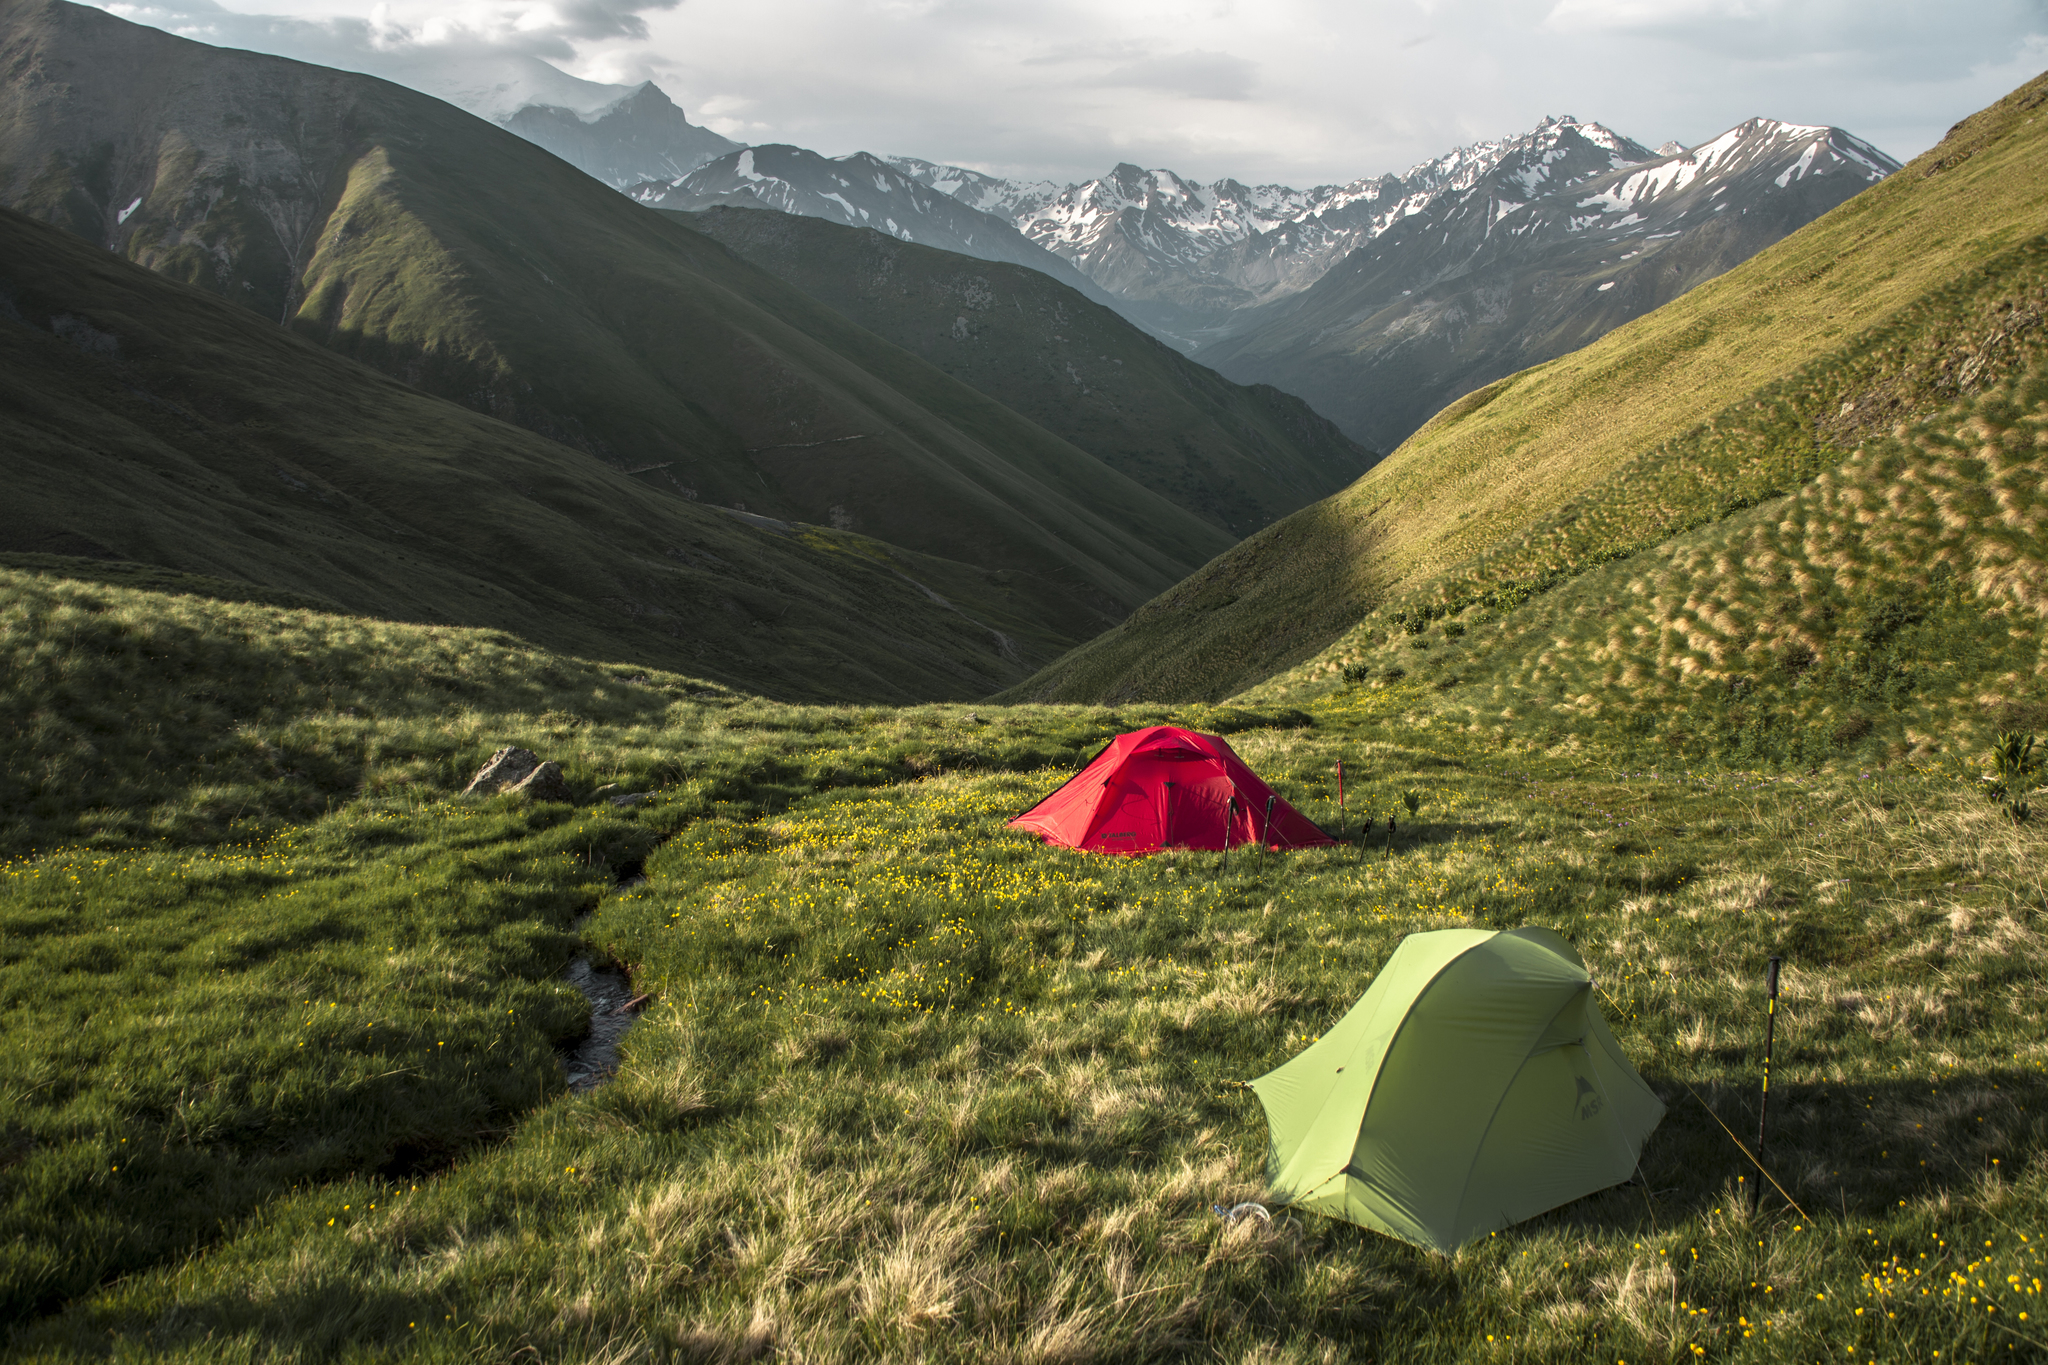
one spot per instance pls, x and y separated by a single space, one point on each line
1763 1109
1341 814
1268 840
1229 819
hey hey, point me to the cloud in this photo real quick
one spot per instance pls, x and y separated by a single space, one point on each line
1291 91
1909 38
609 18
1191 75
347 34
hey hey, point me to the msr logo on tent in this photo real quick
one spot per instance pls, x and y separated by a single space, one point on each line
1587 1100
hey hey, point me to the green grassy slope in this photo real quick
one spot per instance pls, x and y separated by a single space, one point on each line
1238 456
1891 608
406 234
276 1079
1922 287
147 421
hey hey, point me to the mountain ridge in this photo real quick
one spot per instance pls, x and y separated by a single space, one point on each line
1518 267
1238 456
151 425
1756 373
400 232
859 190
638 137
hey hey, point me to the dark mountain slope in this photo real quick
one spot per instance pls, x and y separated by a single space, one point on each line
1239 457
441 249
144 420
1928 285
1515 271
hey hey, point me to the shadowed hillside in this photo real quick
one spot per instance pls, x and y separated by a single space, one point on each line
1237 456
454 255
145 420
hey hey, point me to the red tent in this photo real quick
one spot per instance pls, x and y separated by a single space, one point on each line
1167 788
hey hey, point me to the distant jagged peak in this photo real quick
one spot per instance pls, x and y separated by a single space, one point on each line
1766 153
638 100
1806 149
1530 157
977 189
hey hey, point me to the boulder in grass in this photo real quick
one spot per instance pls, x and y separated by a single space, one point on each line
506 769
543 784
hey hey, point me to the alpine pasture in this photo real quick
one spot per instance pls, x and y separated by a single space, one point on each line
279 1010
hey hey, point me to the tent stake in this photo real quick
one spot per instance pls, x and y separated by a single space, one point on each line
1763 1109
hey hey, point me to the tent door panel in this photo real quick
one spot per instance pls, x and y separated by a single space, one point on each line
1554 1139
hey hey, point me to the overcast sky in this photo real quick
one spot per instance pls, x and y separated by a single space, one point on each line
1293 91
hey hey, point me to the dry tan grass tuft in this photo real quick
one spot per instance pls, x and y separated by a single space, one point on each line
1644 1295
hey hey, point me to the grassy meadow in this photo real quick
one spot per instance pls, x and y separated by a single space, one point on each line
278 1012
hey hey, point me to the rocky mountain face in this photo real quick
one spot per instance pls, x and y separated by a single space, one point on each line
640 136
861 191
1203 253
1383 299
1529 260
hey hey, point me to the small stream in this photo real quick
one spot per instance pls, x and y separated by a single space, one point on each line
590 1061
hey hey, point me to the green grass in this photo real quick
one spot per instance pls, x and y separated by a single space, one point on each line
1890 610
1238 456
913 1085
1923 287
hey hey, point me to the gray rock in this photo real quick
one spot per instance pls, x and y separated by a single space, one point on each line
631 798
507 768
544 784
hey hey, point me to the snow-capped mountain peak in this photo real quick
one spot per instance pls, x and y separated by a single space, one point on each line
1763 150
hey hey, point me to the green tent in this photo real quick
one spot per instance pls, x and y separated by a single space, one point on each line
1472 1086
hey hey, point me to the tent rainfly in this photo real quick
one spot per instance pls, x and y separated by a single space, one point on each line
1165 787
1474 1085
